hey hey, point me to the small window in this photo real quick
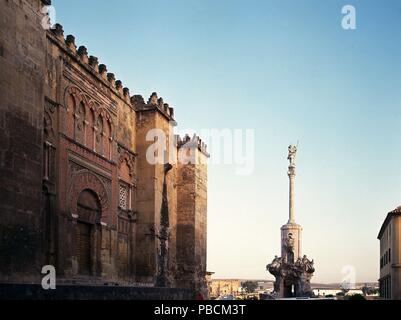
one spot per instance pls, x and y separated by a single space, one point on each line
123 197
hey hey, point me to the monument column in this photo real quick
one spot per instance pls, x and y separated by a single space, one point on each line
292 271
291 232
291 175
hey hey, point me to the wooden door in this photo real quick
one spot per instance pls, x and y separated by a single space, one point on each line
84 248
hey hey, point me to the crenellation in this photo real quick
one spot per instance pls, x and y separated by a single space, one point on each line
126 95
155 103
138 102
126 92
58 31
194 142
153 100
112 79
94 63
83 54
70 42
103 71
160 103
119 87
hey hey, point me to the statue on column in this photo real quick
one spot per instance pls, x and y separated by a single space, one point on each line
292 153
292 271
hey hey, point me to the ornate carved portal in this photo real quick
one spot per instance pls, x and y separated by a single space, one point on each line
89 206
83 180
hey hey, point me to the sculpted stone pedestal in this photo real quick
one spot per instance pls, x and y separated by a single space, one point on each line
291 248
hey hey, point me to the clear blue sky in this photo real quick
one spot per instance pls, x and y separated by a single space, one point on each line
288 70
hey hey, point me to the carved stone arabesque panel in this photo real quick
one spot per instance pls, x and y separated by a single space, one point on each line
81 178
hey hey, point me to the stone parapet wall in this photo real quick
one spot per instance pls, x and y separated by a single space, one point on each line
79 292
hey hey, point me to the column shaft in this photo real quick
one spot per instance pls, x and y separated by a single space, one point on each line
291 202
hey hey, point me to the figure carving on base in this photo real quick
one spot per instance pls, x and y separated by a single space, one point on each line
292 279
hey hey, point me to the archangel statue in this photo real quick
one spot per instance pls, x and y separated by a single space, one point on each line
292 152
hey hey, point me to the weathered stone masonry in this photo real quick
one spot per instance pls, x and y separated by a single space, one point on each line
76 190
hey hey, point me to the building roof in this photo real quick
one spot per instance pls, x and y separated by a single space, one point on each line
390 215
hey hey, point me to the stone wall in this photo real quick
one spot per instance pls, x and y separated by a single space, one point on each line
156 260
91 131
74 292
73 156
22 65
192 219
